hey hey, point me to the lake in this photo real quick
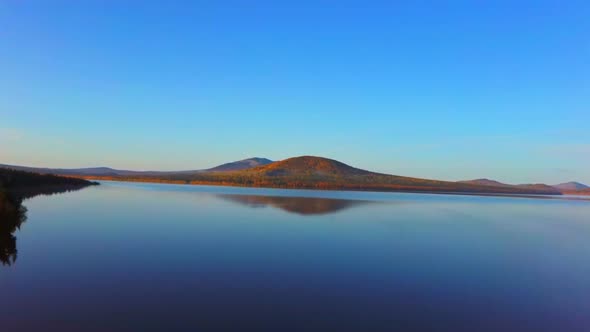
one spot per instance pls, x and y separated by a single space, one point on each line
156 257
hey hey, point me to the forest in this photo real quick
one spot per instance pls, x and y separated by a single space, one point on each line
16 186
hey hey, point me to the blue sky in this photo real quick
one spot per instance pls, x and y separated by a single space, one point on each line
438 89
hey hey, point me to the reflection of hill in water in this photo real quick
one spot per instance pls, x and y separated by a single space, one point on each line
13 215
298 205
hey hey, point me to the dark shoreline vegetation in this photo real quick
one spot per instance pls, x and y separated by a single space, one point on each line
17 186
326 174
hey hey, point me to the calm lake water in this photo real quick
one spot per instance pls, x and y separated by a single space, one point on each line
150 257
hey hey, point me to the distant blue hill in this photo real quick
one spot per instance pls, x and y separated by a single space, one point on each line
107 171
571 186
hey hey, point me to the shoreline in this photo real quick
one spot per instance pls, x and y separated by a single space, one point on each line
368 190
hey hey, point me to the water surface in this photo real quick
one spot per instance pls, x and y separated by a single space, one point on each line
150 257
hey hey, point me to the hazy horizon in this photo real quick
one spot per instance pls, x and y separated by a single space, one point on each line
450 92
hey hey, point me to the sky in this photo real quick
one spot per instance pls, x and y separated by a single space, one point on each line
448 90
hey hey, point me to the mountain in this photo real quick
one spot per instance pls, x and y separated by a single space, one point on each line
571 186
308 165
240 165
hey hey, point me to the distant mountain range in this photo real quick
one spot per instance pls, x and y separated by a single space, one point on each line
312 173
107 171
492 183
574 188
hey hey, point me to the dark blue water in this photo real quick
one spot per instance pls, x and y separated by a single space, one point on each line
148 257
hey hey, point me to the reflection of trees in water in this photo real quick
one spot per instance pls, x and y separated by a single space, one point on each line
298 205
13 215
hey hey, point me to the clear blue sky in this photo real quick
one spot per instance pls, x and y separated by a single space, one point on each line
438 89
